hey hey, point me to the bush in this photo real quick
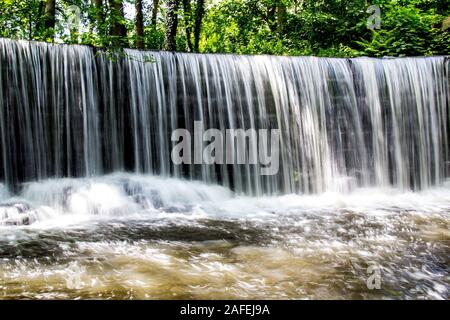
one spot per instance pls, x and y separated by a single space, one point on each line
407 31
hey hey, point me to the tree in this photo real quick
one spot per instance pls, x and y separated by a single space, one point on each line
139 25
281 16
155 12
99 13
118 30
50 18
200 10
407 31
39 22
197 23
187 23
171 25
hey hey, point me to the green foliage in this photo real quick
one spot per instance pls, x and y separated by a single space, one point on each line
20 19
408 30
154 38
328 28
284 27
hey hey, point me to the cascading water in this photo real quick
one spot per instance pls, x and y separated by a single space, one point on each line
3 192
91 205
66 111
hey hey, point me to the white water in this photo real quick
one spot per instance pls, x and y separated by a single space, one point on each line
136 236
148 197
66 111
357 136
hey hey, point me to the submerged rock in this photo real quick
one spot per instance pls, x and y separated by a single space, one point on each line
177 209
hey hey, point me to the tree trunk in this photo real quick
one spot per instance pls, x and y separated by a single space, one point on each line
198 23
50 18
271 17
187 22
38 29
281 17
171 25
118 29
155 12
99 20
139 25
99 15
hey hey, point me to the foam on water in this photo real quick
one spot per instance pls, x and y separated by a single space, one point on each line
143 196
137 236
114 196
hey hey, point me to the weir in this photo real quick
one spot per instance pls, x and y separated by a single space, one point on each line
71 111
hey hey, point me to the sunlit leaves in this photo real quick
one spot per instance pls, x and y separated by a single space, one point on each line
310 27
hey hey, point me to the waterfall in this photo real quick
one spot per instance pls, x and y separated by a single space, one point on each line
73 111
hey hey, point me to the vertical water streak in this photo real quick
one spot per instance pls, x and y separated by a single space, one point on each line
49 111
345 123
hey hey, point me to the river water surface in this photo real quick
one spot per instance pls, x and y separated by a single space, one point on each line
142 237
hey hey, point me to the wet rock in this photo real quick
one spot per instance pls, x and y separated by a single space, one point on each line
23 220
176 209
